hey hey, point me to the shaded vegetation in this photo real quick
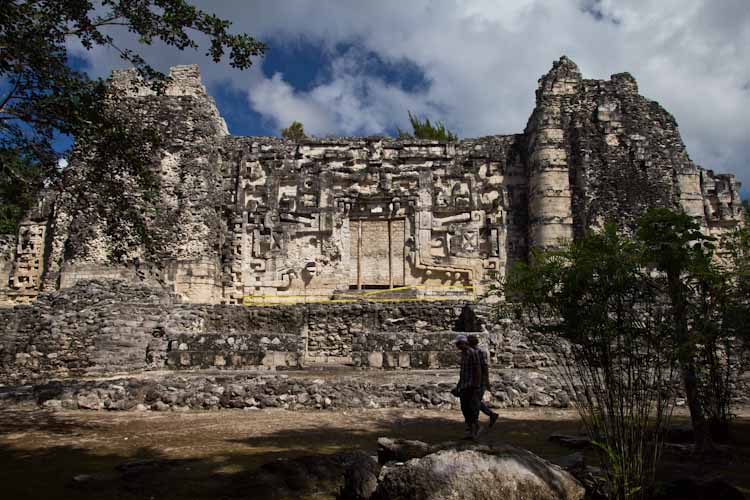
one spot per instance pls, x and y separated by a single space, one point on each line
42 96
20 181
624 314
614 354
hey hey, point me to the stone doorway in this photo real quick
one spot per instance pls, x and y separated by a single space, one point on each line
377 250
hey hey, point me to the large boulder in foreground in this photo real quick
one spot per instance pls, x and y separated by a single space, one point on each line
477 472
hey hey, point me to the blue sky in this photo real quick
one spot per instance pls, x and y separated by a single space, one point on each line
306 64
355 68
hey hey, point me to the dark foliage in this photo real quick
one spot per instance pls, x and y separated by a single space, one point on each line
42 96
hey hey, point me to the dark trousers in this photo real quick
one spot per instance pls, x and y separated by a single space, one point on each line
482 405
470 399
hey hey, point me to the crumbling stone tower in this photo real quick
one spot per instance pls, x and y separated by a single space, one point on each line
279 221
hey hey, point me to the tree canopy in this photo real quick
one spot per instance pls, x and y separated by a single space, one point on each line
42 95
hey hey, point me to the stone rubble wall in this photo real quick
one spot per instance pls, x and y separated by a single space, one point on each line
332 331
110 326
511 388
598 151
187 219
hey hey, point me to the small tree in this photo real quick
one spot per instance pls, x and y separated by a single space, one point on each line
612 352
424 129
675 247
720 319
294 132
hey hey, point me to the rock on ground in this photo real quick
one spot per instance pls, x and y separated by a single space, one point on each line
477 472
360 478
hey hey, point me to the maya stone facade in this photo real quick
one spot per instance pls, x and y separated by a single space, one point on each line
275 220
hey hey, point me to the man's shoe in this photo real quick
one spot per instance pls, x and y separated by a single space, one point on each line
493 419
475 431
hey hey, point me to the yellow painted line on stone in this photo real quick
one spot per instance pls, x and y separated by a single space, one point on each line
348 298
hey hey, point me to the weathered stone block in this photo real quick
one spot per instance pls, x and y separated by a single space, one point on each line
390 360
184 358
375 360
404 360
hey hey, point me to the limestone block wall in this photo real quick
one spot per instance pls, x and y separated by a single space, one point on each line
507 345
220 350
332 332
422 350
550 210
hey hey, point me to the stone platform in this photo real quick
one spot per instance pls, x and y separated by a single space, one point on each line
107 326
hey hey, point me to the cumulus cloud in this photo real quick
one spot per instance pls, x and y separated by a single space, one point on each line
352 102
482 59
276 98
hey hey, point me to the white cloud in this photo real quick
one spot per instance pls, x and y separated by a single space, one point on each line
277 99
483 58
352 102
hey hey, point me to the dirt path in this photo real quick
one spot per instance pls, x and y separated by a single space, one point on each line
202 454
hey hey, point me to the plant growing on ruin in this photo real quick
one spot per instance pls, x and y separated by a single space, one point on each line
294 132
43 96
612 352
424 129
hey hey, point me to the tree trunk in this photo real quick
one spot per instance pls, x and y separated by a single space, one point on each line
701 431
686 353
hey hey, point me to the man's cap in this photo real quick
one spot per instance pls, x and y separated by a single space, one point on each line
460 338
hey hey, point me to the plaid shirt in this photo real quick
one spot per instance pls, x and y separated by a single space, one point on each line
485 367
470 374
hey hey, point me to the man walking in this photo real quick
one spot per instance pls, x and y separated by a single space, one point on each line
484 362
467 389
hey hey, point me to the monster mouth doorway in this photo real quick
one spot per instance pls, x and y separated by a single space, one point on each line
377 252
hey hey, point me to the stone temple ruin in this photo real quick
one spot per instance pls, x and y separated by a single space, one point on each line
267 217
261 220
